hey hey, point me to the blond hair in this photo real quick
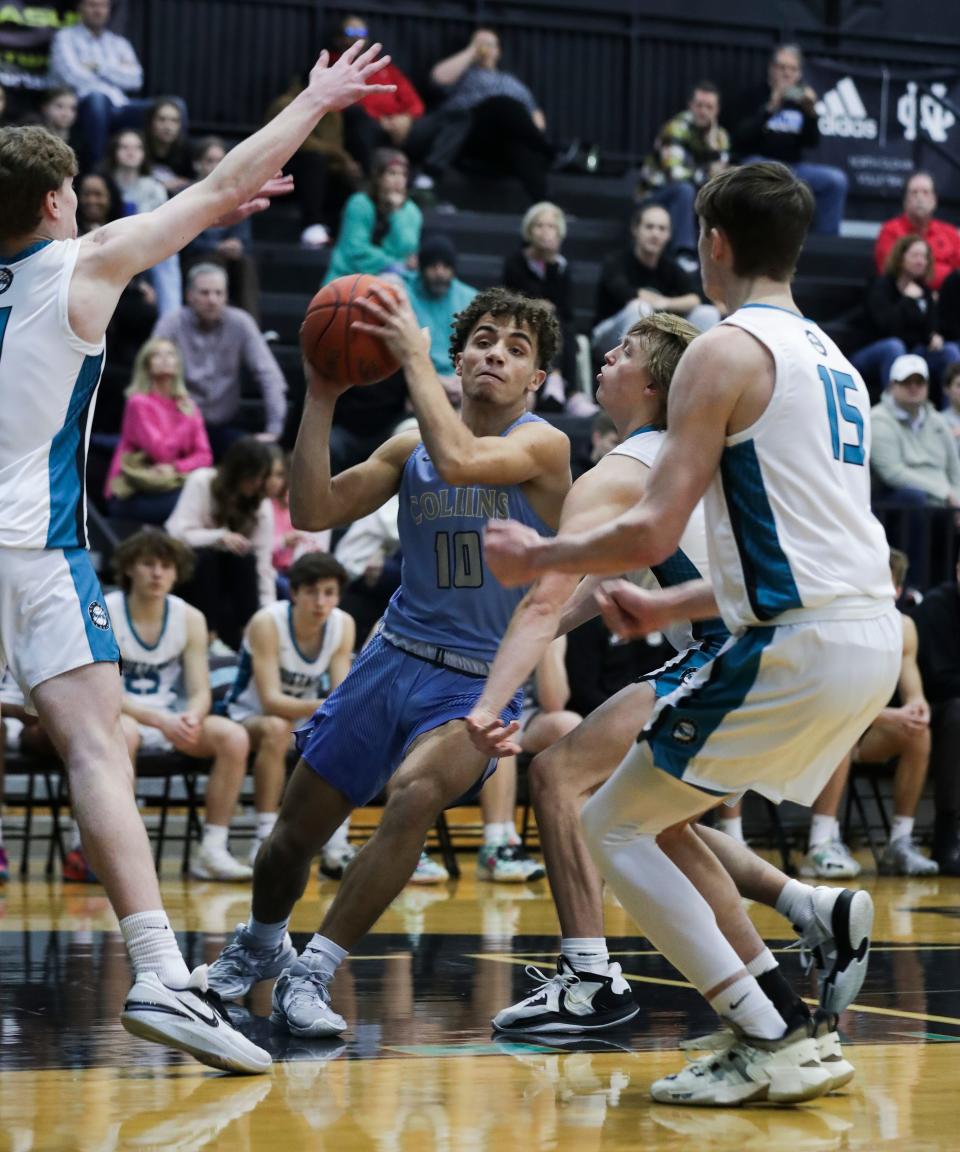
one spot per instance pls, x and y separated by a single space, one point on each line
141 384
533 214
663 338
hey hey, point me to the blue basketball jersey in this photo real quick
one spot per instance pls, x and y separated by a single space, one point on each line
447 597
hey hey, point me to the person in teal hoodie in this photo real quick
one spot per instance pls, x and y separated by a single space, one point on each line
379 229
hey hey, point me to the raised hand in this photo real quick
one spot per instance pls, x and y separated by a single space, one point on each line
345 82
278 185
629 611
390 318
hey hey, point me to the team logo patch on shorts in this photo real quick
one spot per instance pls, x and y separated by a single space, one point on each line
98 615
6 279
688 675
684 732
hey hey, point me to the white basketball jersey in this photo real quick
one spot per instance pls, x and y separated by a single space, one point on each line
789 525
689 562
48 384
299 677
151 671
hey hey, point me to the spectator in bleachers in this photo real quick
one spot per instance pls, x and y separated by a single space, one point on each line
539 269
913 454
918 219
778 121
58 113
603 436
688 150
168 151
903 315
324 172
506 132
642 279
293 655
104 71
217 343
289 543
436 296
224 514
951 394
4 117
380 228
166 685
162 438
938 625
126 164
369 552
230 244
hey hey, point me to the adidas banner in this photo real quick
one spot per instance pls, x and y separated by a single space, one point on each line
870 119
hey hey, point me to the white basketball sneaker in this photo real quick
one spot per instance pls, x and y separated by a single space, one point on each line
784 1071
838 940
191 1019
570 1001
217 864
301 1003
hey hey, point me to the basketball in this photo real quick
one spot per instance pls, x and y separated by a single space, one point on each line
334 349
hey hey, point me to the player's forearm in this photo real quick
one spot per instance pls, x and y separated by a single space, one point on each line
447 72
288 707
446 437
626 543
148 717
199 703
694 600
311 495
581 607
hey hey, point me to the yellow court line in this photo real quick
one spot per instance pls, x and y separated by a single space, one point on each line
865 1008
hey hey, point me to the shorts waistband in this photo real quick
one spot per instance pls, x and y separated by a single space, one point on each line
841 608
442 657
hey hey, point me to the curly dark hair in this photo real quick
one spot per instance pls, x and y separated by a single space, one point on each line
537 315
245 459
151 544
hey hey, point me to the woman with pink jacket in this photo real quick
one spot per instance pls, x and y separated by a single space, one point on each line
162 438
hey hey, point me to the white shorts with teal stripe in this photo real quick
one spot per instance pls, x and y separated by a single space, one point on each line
779 707
52 615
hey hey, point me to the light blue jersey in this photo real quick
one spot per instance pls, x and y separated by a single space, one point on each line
447 598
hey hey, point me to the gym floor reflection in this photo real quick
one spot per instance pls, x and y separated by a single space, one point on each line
419 1067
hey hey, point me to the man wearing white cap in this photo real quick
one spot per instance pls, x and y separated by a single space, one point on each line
913 454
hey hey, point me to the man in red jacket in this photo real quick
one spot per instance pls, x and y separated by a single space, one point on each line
919 205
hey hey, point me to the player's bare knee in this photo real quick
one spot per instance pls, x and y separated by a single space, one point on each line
275 733
414 802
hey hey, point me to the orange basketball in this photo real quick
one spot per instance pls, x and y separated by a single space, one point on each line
337 351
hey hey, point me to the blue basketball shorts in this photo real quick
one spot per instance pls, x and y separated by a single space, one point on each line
361 733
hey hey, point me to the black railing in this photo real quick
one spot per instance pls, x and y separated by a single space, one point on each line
929 536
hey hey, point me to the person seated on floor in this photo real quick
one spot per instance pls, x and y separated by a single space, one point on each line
545 719
937 618
539 269
294 653
166 685
504 133
168 151
217 344
380 228
230 244
224 514
689 149
162 439
289 543
637 281
903 315
436 296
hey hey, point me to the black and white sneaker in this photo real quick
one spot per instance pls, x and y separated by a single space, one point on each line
838 940
191 1019
571 1001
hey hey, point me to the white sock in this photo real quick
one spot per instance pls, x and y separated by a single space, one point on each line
733 826
324 955
152 947
74 845
338 841
513 836
745 1004
267 936
902 826
214 837
495 834
823 829
586 953
265 823
764 962
795 902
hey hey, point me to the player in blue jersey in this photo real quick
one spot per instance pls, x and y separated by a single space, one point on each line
57 295
768 424
400 713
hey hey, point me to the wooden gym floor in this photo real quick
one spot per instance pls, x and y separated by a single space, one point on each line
419 1070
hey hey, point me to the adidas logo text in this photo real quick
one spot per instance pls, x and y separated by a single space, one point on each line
842 113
